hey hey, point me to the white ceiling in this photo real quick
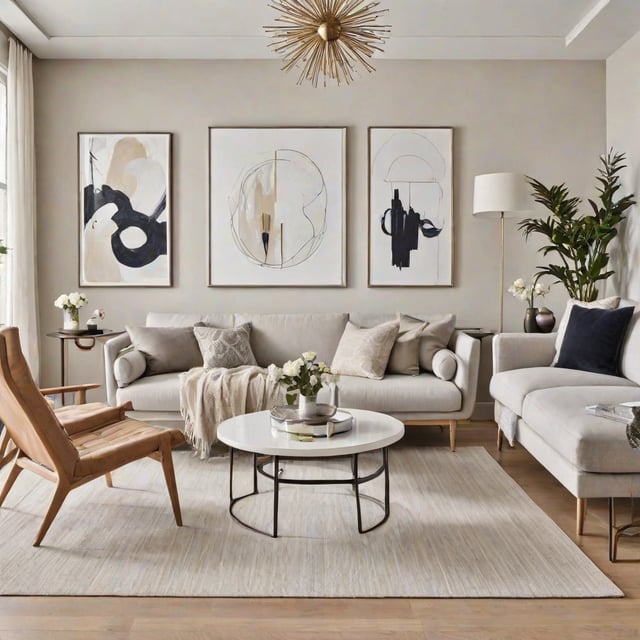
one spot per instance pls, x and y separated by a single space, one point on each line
420 29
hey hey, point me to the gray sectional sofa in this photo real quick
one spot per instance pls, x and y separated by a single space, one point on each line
544 409
275 338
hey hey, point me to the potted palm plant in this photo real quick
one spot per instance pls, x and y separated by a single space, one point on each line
580 242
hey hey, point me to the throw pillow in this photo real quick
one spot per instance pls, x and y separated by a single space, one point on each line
604 303
593 339
365 352
404 355
166 349
434 336
226 348
445 364
129 366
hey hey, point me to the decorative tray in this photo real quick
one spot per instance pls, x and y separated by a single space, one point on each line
290 413
318 427
81 332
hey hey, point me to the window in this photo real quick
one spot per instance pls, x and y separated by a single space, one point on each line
3 191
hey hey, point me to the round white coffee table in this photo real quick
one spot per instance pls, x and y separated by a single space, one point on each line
254 434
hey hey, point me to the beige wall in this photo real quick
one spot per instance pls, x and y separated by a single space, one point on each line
546 119
623 133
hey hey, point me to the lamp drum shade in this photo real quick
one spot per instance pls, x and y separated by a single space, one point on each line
495 194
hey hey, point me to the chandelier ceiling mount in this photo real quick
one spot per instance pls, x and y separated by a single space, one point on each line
328 38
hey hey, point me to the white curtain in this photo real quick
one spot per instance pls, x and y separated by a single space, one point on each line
21 204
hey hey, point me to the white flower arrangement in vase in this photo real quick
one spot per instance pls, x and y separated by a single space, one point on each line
304 375
71 303
535 319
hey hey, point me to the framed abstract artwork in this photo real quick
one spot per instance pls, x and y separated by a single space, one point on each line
410 207
277 207
124 183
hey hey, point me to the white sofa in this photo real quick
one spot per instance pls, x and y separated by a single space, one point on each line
589 455
275 338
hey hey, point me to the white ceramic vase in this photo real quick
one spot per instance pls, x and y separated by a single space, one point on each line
307 406
70 320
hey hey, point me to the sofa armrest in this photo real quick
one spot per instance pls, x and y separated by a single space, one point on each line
467 350
111 350
522 350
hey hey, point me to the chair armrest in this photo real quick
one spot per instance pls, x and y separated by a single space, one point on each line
467 350
111 350
522 350
80 389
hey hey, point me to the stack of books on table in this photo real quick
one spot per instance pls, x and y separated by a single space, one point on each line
326 424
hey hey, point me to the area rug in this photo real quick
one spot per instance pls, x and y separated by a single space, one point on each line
459 527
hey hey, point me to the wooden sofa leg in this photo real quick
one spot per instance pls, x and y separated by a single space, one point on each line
581 510
500 440
453 425
109 480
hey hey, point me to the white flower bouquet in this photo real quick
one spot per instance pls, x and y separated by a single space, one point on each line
519 289
304 375
71 301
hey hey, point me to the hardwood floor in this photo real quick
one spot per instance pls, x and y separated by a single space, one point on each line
30 618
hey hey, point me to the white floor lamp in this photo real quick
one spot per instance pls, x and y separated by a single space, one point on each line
501 195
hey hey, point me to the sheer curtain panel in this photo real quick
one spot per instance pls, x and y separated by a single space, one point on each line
22 309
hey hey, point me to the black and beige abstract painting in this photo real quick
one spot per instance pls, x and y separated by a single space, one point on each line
125 216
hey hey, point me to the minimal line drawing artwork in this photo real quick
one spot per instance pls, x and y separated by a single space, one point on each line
277 200
124 186
279 210
410 234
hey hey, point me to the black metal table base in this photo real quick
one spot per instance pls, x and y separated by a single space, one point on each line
616 532
355 481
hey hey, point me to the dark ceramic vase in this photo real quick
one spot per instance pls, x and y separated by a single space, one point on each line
545 320
530 325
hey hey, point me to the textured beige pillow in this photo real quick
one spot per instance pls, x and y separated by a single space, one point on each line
365 352
434 337
226 348
445 364
166 349
604 303
404 355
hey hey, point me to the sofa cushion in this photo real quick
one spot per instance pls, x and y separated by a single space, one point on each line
629 360
365 351
398 393
404 354
593 339
604 303
166 349
511 387
278 337
129 366
227 348
445 364
153 393
591 443
434 336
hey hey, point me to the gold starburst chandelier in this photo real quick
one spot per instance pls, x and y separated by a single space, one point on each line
327 38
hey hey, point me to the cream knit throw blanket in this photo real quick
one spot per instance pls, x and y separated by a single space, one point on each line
209 396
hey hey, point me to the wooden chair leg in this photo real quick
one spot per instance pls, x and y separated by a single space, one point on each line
453 425
56 502
500 441
581 510
170 478
108 480
6 450
11 478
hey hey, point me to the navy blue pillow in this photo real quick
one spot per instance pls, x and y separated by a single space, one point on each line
593 339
